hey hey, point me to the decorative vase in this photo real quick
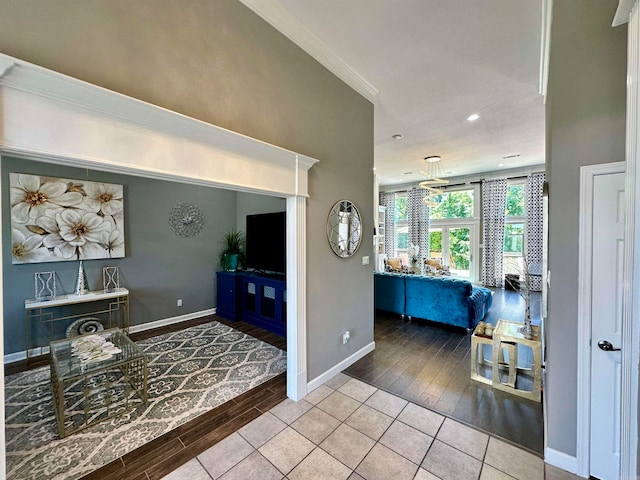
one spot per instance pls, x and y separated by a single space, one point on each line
230 262
526 330
82 285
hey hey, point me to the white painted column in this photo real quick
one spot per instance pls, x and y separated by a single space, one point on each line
631 296
3 455
296 297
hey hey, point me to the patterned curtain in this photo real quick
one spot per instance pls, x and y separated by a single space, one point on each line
534 239
494 202
418 222
388 199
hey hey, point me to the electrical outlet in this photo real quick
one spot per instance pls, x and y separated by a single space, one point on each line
345 337
179 302
365 260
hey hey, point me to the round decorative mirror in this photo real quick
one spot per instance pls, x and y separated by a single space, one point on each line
344 228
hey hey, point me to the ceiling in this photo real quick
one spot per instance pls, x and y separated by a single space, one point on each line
427 65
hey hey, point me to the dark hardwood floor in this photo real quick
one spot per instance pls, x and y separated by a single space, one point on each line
429 364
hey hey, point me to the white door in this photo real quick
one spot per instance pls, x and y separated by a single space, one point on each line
606 324
454 245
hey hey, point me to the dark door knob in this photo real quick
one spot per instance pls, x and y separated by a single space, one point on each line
606 346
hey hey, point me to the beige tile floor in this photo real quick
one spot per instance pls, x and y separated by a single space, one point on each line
347 429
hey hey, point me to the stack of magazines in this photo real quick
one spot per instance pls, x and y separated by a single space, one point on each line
93 348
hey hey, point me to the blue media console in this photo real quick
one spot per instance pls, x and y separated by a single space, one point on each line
253 298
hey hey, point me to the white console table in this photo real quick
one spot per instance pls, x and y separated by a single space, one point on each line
47 320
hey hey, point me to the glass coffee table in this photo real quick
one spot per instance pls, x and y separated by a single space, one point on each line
92 380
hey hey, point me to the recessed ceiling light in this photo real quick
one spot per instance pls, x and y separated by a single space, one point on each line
473 117
374 169
501 164
397 136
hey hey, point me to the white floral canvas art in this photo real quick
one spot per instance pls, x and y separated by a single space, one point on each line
56 219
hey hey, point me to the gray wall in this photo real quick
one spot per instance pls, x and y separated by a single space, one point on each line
218 62
585 117
159 267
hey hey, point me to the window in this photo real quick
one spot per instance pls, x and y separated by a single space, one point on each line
515 201
456 204
401 227
514 229
452 238
514 239
435 243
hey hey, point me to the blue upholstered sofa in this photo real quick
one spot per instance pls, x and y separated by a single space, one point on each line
440 299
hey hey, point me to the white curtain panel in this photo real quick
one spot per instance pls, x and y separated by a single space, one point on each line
494 201
388 200
534 238
418 221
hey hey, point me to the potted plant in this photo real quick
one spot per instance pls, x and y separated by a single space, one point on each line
232 253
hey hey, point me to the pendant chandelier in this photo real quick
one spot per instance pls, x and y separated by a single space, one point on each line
432 170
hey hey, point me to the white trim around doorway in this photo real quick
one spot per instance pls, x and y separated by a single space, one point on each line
583 400
54 118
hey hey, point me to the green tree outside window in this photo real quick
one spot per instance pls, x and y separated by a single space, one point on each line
514 238
453 205
515 201
401 207
435 241
459 246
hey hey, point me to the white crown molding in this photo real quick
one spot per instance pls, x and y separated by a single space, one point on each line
278 17
32 79
545 41
6 64
623 11
130 133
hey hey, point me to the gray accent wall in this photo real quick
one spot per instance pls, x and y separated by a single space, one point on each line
219 62
585 117
159 267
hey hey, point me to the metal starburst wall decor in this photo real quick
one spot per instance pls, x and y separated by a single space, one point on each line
186 220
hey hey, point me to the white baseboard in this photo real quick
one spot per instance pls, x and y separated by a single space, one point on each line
19 356
15 357
170 321
333 371
561 460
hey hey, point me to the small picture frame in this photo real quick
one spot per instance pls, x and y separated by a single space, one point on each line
111 279
45 286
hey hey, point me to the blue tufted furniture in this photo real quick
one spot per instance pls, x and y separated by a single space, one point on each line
440 299
389 292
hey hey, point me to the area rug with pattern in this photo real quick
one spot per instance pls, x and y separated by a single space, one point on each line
190 372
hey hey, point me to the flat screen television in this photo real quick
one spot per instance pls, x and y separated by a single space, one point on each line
266 247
